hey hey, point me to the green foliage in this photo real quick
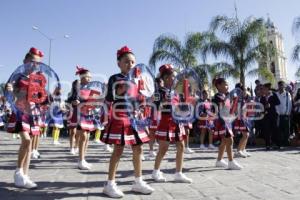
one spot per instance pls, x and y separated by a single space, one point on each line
241 44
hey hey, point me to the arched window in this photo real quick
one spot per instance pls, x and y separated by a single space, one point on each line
273 69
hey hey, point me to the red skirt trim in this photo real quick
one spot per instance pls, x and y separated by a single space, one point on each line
26 124
119 131
168 130
220 129
239 125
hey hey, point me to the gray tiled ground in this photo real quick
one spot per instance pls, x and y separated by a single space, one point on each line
267 175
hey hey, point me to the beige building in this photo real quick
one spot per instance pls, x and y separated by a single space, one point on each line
277 62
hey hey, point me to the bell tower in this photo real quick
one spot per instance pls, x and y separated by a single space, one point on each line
277 62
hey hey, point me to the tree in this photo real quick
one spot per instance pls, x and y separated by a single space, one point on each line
244 44
167 48
296 50
2 88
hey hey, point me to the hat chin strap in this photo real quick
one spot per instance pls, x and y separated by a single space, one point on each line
84 75
36 58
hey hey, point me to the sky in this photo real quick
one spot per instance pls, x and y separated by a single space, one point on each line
97 28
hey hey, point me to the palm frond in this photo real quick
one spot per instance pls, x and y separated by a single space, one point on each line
225 70
163 55
296 53
169 43
253 72
253 26
298 72
252 56
296 25
194 42
208 72
219 48
225 24
263 72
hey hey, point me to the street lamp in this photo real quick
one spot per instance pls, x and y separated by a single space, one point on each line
35 28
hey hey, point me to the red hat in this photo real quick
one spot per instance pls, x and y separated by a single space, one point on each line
36 52
81 70
166 68
123 50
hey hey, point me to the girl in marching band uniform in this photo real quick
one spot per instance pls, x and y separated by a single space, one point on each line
205 123
72 121
223 124
86 122
55 116
36 139
44 126
26 123
154 119
119 131
188 127
241 125
168 131
100 126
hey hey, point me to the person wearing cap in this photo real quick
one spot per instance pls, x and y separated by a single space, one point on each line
37 57
270 100
284 110
119 130
223 125
24 123
167 130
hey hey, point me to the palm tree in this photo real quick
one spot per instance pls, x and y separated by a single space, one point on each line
168 48
296 50
244 44
2 88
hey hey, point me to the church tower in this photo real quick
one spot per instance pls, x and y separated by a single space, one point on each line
277 62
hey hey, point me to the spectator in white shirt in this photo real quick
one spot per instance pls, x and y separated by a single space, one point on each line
284 113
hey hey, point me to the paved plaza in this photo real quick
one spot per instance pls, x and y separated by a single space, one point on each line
267 175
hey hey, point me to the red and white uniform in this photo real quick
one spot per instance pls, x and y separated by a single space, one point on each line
119 129
223 124
167 129
240 123
206 117
28 119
